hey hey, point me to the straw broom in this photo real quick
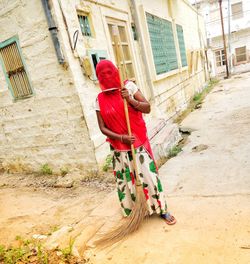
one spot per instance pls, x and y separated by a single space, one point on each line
140 209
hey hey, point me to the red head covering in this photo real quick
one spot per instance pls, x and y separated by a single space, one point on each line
108 75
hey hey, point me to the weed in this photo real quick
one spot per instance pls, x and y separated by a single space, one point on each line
45 258
64 171
31 251
14 255
2 252
42 255
197 97
67 252
108 162
174 151
26 242
39 251
52 230
45 169
18 238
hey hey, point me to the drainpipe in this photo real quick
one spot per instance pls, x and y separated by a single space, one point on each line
53 31
144 52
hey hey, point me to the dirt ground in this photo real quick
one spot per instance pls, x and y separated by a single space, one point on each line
207 187
32 205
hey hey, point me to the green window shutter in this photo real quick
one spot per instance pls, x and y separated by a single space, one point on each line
14 69
162 42
181 45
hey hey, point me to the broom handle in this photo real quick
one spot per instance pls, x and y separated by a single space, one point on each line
122 72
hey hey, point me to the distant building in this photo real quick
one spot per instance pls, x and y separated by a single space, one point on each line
48 52
236 16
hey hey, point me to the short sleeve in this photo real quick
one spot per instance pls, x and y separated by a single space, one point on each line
132 87
96 105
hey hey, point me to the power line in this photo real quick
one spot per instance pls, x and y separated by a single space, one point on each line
226 17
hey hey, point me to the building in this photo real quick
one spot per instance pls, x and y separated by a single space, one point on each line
49 50
236 19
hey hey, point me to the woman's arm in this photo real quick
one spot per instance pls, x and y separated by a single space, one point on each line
139 102
123 138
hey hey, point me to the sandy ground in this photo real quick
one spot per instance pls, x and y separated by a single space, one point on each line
207 187
29 206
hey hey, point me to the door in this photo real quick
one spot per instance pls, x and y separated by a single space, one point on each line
123 36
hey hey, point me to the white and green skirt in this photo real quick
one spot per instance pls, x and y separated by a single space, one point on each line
125 180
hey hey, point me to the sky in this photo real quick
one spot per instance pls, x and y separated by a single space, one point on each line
192 1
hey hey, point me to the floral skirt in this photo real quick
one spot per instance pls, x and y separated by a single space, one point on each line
125 181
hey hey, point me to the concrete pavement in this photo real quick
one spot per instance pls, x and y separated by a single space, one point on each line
207 187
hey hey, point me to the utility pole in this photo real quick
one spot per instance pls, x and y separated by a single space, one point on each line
229 37
224 41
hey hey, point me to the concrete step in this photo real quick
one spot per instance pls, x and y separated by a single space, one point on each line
163 136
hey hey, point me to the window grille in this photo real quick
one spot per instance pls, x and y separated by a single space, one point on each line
181 45
162 43
14 69
241 55
85 25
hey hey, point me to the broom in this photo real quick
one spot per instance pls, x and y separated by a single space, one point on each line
140 209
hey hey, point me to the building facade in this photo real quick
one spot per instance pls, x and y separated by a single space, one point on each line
236 20
48 85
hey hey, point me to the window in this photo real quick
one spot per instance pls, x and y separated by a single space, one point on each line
125 48
85 25
220 58
241 55
96 56
162 43
237 11
181 45
14 69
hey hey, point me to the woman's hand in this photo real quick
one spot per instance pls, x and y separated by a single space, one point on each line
125 94
126 139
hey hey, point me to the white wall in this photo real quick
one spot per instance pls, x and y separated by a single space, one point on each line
50 126
211 15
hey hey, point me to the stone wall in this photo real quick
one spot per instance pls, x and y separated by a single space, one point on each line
50 126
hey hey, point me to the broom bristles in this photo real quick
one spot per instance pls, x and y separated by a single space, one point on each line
129 224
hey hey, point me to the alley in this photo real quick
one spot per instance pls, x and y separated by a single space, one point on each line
207 186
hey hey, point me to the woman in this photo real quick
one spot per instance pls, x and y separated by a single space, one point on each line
112 123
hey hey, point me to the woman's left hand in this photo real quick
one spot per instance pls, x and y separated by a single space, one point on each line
125 94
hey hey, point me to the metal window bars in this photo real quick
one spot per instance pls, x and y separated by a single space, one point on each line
15 71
